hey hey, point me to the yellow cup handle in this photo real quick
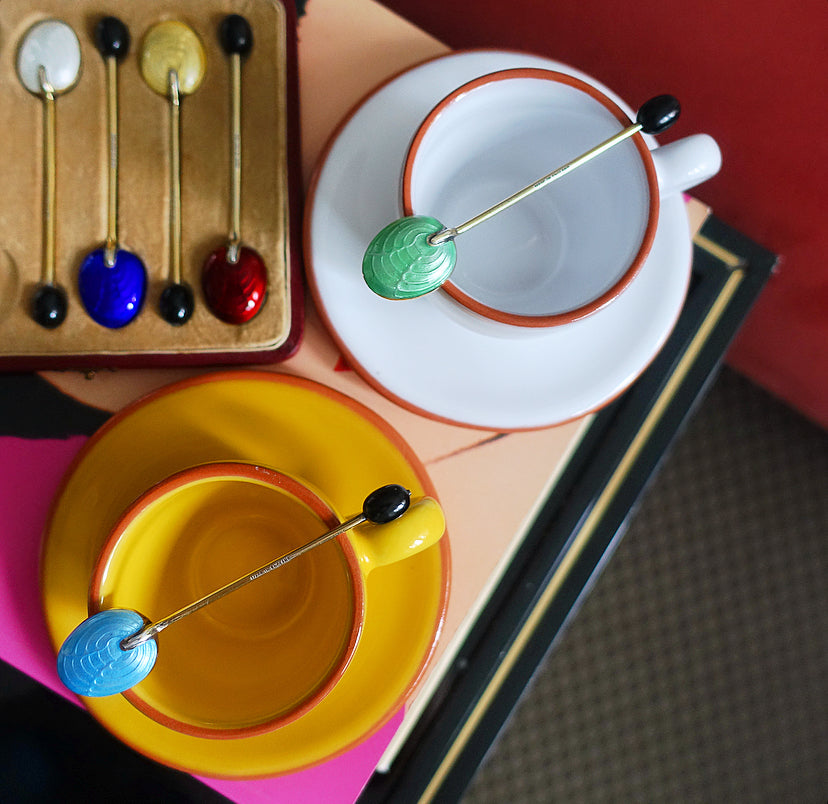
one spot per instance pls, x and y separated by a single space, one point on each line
420 527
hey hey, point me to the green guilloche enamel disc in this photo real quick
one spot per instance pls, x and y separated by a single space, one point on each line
400 263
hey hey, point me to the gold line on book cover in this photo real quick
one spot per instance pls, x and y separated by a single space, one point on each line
622 471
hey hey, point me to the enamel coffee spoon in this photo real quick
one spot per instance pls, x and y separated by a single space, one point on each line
173 64
414 255
112 281
234 278
115 649
48 64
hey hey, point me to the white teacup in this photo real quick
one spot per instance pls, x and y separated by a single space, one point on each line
570 248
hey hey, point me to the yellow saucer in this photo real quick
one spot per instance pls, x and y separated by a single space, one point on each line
294 425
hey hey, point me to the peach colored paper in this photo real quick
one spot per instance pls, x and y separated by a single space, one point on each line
345 50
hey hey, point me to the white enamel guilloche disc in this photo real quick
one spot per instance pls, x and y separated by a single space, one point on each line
53 45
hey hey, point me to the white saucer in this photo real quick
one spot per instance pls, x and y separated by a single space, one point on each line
420 352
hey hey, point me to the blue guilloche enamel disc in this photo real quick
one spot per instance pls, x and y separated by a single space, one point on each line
92 662
112 295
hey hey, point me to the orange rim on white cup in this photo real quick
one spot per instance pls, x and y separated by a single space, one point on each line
564 252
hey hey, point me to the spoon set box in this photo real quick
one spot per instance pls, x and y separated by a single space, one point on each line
270 188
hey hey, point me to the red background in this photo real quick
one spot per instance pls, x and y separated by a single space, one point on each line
754 75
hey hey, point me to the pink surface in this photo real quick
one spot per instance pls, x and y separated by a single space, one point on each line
30 473
338 780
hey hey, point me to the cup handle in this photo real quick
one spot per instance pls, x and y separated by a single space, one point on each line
686 162
420 527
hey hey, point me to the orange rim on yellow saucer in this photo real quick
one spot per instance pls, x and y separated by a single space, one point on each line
305 429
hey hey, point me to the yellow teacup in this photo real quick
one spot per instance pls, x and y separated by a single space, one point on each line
269 652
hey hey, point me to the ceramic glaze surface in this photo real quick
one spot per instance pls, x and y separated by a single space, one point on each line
331 442
420 528
266 653
434 356
562 248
